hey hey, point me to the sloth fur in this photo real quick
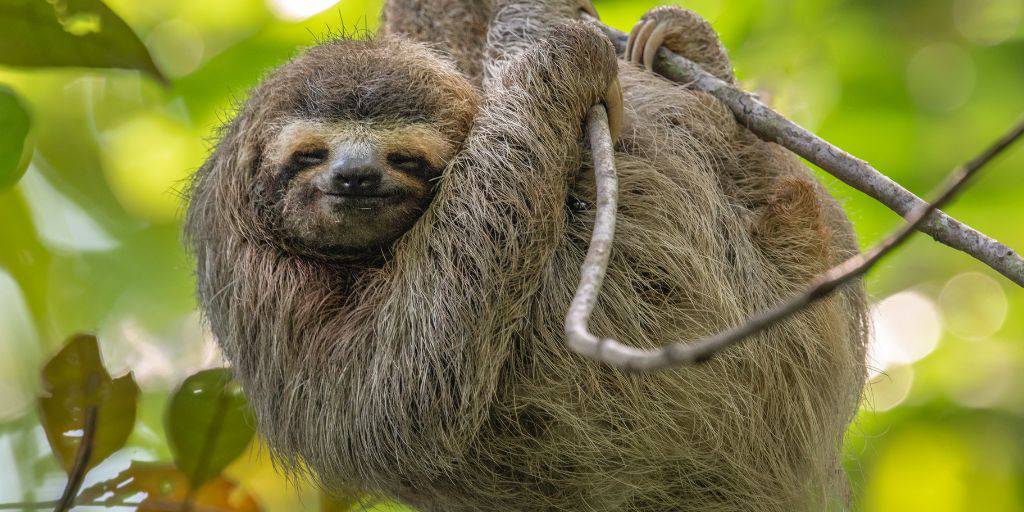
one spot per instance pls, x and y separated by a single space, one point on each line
437 373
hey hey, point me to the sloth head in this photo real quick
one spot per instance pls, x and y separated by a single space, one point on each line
337 153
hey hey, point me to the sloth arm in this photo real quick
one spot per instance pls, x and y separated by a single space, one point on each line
457 28
473 259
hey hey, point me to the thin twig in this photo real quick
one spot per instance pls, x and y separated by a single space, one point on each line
773 127
81 467
596 264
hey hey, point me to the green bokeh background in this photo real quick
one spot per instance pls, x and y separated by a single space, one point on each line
89 240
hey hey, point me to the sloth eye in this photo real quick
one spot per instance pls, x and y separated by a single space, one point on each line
304 159
410 163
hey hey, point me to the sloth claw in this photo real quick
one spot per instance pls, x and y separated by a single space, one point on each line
637 39
682 31
644 41
588 7
615 106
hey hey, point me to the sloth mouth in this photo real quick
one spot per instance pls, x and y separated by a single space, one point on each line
361 201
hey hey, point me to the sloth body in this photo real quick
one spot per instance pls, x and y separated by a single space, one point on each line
418 352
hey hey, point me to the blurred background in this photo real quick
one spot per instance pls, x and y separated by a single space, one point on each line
89 238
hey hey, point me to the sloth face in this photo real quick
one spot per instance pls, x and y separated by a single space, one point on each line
350 186
337 153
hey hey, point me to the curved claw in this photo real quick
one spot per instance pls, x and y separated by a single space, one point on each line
615 106
631 40
654 42
640 41
588 7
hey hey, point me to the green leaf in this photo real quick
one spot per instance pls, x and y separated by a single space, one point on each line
166 488
209 424
69 33
339 501
74 381
15 121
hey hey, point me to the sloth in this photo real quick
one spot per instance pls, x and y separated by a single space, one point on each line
389 233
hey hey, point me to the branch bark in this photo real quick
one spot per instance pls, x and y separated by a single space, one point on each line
773 127
595 265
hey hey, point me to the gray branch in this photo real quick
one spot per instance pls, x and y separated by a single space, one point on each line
773 127
595 265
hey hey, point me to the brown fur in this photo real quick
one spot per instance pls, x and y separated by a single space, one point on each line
439 374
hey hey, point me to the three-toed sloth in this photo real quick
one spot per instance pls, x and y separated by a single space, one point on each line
390 231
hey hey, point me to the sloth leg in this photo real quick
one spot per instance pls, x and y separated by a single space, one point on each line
683 32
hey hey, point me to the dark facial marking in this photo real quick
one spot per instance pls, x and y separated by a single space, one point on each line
413 164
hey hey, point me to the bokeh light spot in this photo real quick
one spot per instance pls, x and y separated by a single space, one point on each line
988 22
147 160
889 389
298 10
973 305
906 328
176 46
941 77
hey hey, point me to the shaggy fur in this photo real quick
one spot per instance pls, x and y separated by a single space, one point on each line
438 374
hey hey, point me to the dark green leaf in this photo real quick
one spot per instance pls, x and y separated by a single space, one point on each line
75 380
15 122
208 424
75 33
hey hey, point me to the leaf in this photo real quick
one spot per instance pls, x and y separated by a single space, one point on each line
208 424
73 381
166 488
75 33
339 502
15 121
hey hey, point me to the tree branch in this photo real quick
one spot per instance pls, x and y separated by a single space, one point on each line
596 264
773 127
81 467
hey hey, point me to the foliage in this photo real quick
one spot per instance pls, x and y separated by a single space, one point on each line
69 33
167 488
208 424
91 231
75 381
15 120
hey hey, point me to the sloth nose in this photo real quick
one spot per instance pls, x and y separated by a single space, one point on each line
356 173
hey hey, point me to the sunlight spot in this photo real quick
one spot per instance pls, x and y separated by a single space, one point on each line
906 328
143 353
988 22
11 484
19 349
156 360
973 305
298 10
177 47
73 434
62 224
889 389
941 77
82 24
148 183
